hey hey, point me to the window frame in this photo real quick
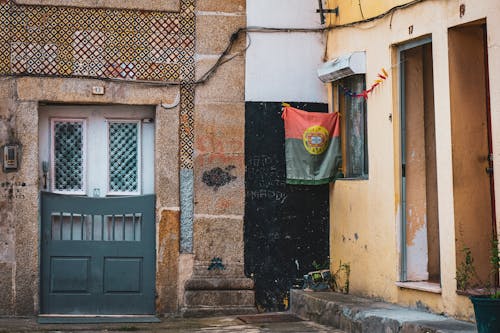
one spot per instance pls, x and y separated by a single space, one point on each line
139 161
53 121
341 106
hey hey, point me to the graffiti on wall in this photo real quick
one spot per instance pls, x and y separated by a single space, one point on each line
218 177
12 190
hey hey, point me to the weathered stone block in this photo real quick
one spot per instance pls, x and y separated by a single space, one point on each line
4 131
219 184
199 298
219 284
6 89
26 124
7 253
167 157
218 237
163 5
220 128
233 6
80 91
214 31
6 301
168 262
227 84
26 247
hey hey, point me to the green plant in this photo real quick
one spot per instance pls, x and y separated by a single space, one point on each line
465 270
495 266
323 278
317 266
342 274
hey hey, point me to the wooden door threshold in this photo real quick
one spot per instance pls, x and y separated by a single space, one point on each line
95 319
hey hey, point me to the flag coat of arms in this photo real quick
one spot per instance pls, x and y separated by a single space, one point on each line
312 146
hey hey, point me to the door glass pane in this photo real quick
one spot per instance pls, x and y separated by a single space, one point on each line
68 156
123 157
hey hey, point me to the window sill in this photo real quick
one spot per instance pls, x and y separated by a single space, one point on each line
353 178
431 287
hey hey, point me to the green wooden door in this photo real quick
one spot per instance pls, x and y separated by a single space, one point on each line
98 255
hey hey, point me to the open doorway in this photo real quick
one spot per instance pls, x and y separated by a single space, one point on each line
471 147
420 260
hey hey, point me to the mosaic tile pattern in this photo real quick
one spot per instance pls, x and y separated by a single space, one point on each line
186 129
97 43
106 44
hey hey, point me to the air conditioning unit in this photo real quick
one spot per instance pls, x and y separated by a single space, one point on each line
343 66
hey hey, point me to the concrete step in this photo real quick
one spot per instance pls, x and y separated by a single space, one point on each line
361 315
204 298
212 311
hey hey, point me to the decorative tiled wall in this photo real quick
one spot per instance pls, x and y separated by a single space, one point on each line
103 43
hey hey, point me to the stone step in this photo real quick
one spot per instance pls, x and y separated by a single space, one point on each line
219 298
361 315
211 311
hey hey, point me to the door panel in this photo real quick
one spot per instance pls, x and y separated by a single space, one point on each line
92 271
472 194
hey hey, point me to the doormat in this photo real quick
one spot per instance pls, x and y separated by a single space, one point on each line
277 317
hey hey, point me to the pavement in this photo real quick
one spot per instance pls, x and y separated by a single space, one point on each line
364 315
310 312
226 324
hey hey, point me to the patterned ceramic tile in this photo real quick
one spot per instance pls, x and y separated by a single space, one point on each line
106 44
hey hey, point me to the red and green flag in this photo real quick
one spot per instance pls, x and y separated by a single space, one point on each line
312 146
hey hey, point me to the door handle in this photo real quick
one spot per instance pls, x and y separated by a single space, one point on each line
489 170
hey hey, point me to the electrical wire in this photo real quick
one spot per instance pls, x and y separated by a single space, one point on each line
378 17
361 10
223 57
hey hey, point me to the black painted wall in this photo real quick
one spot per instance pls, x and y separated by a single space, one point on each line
286 226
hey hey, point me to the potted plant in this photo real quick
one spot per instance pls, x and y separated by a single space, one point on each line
486 307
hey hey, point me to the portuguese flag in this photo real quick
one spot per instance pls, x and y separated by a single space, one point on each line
312 146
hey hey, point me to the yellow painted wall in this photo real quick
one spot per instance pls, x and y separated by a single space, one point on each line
365 214
356 10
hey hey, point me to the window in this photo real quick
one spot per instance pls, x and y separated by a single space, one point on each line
123 157
353 127
68 158
97 150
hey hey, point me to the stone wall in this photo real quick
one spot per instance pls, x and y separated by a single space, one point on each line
19 256
219 169
201 137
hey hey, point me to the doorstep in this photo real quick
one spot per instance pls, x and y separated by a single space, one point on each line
362 315
95 319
